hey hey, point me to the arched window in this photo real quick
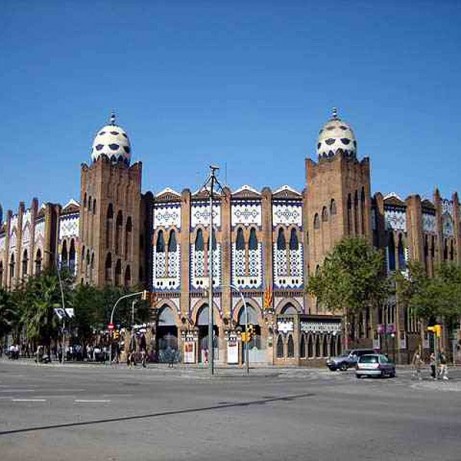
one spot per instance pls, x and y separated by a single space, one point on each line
324 214
289 309
362 209
72 257
90 200
290 347
213 240
349 213
317 346
160 246
12 266
310 347
240 242
280 347
64 255
294 245
333 207
84 200
356 212
316 221
325 346
253 242
109 225
118 233
118 273
38 262
92 268
94 206
199 246
1 273
452 251
128 236
108 267
127 276
391 252
25 263
172 246
302 347
401 254
281 242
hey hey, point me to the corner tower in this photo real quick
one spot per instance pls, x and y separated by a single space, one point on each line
338 199
110 212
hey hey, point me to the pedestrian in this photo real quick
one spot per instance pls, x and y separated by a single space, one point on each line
417 364
143 358
443 365
433 364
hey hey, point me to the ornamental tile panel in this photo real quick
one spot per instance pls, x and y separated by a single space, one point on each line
69 226
26 235
26 219
167 216
40 232
246 213
287 213
429 223
200 214
166 270
13 238
288 268
447 207
243 276
447 225
395 219
199 268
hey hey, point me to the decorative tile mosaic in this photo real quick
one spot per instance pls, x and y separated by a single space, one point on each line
166 274
199 272
447 207
69 226
447 225
395 219
26 235
13 238
200 214
39 232
240 276
429 223
288 268
287 213
167 216
246 213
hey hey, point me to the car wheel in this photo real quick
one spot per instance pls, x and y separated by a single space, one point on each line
332 368
343 367
358 376
383 374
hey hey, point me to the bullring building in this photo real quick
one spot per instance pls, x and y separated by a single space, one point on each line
266 244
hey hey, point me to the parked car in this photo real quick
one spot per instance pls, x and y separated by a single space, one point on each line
348 359
374 365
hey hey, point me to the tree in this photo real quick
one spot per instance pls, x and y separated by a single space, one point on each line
351 279
435 298
8 314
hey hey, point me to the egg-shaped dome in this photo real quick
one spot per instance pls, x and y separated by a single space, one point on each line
335 135
112 141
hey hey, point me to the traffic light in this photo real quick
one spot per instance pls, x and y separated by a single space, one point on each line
144 295
243 337
116 335
436 329
251 332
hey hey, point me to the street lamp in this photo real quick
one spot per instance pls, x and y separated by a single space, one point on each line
64 313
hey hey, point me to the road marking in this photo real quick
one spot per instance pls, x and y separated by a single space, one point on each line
91 401
12 389
28 400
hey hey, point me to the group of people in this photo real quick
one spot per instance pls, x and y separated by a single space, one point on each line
439 365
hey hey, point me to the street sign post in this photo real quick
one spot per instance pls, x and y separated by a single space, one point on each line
110 327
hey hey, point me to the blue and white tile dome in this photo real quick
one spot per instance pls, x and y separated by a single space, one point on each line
112 141
335 135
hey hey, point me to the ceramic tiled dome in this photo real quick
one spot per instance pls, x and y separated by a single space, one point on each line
112 141
335 135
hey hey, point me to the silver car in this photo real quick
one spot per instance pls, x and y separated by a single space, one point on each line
374 365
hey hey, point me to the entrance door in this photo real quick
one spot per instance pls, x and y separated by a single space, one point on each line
202 323
167 336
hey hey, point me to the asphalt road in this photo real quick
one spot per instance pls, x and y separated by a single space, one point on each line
105 413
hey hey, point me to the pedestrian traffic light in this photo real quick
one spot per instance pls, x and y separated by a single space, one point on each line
436 329
243 337
116 335
144 295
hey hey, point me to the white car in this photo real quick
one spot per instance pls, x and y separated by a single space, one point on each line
374 365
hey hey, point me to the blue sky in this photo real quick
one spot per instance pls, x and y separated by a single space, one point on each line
244 84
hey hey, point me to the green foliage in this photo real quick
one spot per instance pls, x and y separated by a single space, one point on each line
351 277
431 298
8 314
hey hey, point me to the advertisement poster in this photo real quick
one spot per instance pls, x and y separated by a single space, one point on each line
232 353
189 352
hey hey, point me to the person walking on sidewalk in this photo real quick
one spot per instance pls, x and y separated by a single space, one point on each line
417 364
433 365
443 365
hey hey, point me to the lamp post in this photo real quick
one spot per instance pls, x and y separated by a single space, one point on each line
63 305
111 321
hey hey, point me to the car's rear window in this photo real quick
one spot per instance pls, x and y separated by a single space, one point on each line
369 359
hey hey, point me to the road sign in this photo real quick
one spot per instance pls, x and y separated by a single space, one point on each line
110 326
